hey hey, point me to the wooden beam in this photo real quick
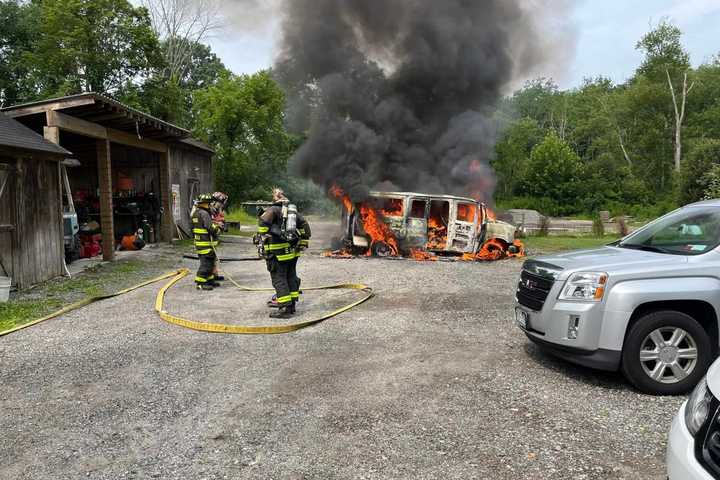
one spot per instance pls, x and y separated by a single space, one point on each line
167 223
46 107
105 116
106 208
52 134
76 125
125 138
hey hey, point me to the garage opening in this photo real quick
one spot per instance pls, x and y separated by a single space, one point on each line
136 205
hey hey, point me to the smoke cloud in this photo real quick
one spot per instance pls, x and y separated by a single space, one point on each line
400 94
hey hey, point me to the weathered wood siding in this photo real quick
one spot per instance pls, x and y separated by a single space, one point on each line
38 250
189 165
7 218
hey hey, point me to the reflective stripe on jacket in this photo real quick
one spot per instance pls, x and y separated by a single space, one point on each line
205 232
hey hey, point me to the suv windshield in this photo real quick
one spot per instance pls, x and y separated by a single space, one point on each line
688 231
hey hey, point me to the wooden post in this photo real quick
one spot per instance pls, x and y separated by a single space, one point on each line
52 134
106 207
167 227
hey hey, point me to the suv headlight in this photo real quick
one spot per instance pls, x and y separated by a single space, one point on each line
697 408
584 286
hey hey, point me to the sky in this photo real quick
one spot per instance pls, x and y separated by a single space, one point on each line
606 34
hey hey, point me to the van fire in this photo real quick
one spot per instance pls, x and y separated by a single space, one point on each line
422 227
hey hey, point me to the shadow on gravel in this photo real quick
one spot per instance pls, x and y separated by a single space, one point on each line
589 376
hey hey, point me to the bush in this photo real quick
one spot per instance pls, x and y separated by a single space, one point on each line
598 228
711 182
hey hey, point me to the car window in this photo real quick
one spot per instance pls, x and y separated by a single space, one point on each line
466 212
417 210
688 231
392 207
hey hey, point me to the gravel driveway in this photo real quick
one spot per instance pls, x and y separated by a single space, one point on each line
428 380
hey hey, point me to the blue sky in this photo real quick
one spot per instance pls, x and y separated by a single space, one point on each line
607 31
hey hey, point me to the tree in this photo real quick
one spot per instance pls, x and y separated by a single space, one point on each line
513 153
171 99
553 172
663 51
182 25
666 57
91 45
19 28
540 100
694 179
242 118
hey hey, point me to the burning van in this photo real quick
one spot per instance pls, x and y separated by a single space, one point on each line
402 223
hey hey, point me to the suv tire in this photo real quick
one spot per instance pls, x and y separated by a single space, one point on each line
653 334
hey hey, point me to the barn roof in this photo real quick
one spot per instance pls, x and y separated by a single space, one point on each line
105 111
15 135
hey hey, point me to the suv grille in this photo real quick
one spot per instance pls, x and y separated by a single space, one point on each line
533 290
707 444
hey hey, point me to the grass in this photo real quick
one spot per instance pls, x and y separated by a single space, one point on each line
17 312
50 296
552 244
240 215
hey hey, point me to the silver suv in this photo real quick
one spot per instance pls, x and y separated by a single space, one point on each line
647 304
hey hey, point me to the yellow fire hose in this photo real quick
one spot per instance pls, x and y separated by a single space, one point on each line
88 301
255 330
178 275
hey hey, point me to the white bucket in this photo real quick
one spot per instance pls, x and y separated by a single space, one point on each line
5 283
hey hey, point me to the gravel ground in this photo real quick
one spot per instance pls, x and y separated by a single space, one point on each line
427 380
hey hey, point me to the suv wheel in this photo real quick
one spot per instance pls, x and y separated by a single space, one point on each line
666 353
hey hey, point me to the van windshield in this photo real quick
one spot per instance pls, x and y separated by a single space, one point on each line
688 231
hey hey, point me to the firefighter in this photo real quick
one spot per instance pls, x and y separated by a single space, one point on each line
217 211
205 233
281 228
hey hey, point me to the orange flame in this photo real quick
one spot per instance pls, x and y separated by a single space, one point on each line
496 249
338 193
437 234
378 230
422 255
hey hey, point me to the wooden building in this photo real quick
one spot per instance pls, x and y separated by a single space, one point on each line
31 228
133 168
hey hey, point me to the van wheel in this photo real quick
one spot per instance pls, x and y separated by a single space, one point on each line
666 353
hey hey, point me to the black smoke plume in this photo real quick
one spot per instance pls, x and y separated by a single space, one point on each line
400 94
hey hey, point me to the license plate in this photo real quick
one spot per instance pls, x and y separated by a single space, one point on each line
522 318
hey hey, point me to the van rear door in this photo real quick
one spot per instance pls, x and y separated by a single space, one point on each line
416 223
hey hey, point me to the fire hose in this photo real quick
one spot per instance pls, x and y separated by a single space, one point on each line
178 275
253 329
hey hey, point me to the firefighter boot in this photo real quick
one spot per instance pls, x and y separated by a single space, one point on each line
204 286
219 278
273 303
282 312
292 306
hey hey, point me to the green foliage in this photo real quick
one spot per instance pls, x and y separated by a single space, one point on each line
711 179
553 171
242 117
513 154
663 51
696 172
91 45
19 28
170 98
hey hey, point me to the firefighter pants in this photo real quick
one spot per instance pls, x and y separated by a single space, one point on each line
205 272
284 279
